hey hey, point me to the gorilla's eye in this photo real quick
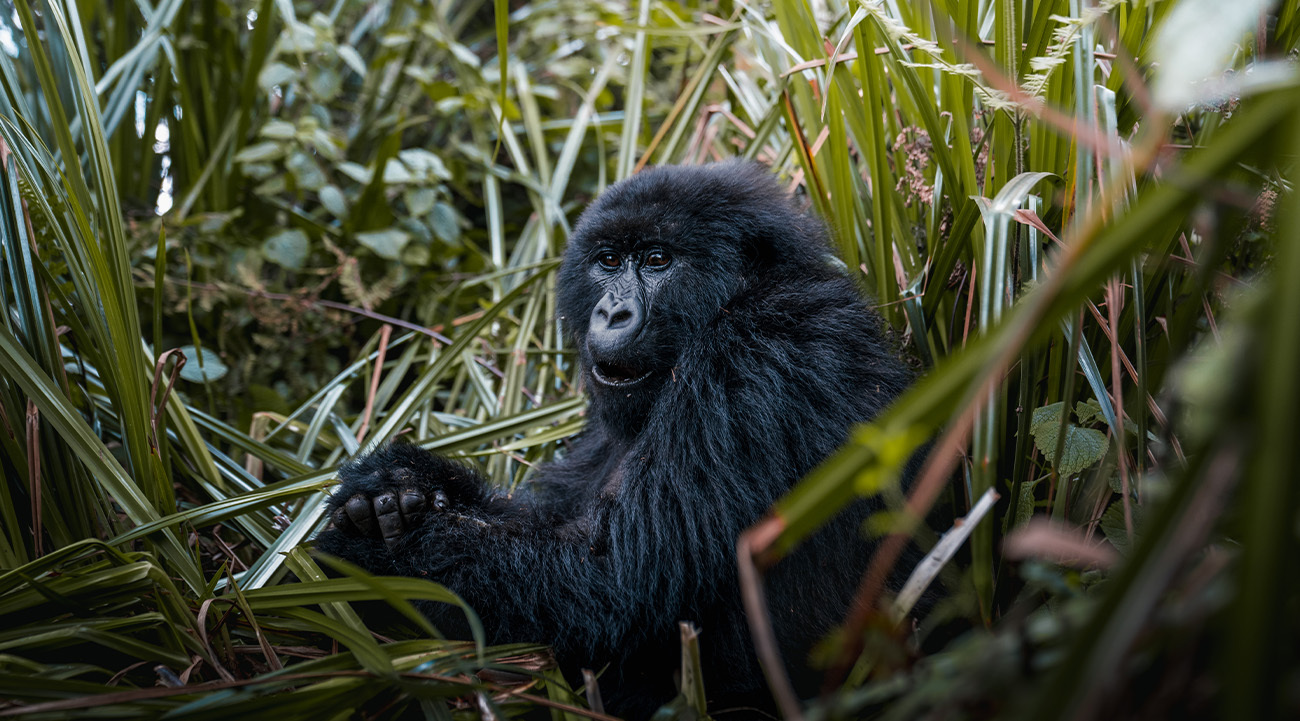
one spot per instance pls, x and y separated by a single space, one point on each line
609 259
657 259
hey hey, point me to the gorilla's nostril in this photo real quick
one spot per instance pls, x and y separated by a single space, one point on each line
620 317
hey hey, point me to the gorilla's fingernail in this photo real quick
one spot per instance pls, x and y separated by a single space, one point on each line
440 500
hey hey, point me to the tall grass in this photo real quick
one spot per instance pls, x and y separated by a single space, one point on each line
1075 219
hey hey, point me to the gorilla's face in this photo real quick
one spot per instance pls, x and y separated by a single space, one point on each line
642 292
647 268
657 258
624 349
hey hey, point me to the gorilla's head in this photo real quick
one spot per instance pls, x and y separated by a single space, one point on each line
659 255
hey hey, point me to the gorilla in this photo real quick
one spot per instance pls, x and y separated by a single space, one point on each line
725 355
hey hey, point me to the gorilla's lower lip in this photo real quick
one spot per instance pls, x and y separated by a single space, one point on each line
617 375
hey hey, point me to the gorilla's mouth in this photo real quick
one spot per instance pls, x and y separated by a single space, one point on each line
618 375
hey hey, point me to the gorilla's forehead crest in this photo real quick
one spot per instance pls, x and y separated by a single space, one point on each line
732 203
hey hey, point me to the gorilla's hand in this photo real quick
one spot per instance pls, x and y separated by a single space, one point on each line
387 515
397 489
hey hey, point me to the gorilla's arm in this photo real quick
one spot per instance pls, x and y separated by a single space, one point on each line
592 584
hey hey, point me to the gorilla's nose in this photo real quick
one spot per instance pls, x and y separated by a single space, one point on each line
615 313
614 321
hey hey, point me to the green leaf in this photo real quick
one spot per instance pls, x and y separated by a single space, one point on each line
278 130
424 164
464 54
299 38
322 142
259 171
260 152
352 59
419 201
1089 411
324 82
1025 502
1112 524
1083 446
395 173
288 248
359 173
275 74
385 243
305 171
203 365
334 201
445 223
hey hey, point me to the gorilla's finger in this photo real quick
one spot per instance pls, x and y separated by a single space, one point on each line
357 510
341 520
440 500
412 504
389 517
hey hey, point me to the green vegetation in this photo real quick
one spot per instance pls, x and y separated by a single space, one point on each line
1078 219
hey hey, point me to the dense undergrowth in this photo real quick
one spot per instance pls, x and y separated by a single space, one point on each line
241 242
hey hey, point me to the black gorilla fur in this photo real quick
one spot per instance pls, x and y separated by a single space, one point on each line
758 356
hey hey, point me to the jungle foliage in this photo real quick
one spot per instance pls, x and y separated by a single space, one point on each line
241 242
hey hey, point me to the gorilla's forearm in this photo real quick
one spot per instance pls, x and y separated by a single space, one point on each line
586 586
